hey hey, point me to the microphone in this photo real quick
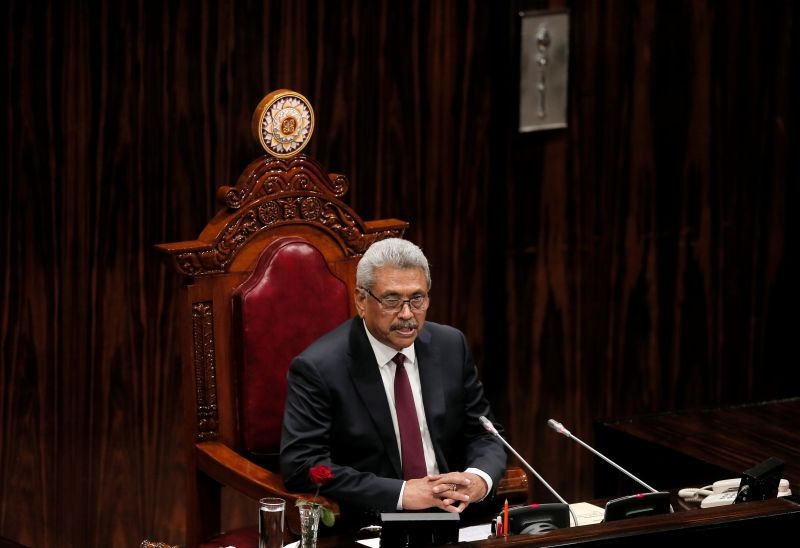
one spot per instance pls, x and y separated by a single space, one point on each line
654 502
487 424
558 427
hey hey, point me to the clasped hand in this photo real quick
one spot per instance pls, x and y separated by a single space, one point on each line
451 492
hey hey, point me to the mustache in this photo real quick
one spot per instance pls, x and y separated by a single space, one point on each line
404 324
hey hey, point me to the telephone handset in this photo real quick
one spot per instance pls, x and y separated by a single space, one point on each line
732 484
723 492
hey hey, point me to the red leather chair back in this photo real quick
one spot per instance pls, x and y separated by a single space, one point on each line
289 301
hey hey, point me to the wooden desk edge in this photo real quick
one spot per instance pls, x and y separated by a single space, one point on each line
653 524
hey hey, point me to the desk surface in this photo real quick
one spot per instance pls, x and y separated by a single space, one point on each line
716 525
716 443
731 439
724 523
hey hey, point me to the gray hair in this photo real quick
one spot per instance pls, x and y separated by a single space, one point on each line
392 252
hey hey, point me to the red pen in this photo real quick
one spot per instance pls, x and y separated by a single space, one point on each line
505 518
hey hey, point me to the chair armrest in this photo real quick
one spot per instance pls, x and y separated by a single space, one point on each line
513 485
227 467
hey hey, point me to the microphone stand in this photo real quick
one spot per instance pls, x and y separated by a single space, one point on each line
654 502
487 424
558 427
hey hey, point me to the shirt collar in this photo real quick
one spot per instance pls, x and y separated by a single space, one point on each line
384 353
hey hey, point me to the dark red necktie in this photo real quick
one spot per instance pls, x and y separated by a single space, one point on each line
410 438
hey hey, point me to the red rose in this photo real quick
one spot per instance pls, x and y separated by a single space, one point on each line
320 475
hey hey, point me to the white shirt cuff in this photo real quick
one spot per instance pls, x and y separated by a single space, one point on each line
483 475
400 500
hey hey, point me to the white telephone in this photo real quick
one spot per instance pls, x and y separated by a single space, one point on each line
723 492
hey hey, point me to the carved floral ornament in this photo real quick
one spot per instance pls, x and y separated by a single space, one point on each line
334 217
270 176
283 123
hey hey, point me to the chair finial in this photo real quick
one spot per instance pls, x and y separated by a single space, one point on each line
283 123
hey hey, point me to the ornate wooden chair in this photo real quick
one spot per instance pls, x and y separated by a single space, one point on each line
269 274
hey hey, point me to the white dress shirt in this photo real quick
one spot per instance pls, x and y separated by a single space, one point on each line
384 355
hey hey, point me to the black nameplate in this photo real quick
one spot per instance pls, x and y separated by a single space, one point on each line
415 529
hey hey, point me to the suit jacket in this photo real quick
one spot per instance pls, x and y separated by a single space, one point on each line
337 414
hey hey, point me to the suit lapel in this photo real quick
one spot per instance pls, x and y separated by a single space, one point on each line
432 392
367 380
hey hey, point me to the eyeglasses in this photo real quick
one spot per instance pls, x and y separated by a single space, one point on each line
417 303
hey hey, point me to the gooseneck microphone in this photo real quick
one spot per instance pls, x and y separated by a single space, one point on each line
643 504
487 424
558 427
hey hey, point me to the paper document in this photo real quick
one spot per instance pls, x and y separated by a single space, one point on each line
465 534
586 513
476 532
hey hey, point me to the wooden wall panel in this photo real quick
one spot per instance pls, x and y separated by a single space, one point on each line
651 274
636 261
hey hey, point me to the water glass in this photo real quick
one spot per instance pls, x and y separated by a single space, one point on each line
270 522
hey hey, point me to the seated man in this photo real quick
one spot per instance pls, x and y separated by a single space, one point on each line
389 402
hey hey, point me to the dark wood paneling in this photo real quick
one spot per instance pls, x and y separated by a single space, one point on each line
649 246
697 447
636 261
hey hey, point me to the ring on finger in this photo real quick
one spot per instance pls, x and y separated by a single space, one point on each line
454 487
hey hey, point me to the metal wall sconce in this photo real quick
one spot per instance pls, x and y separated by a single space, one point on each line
544 63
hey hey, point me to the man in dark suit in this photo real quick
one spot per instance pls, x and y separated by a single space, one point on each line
389 402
